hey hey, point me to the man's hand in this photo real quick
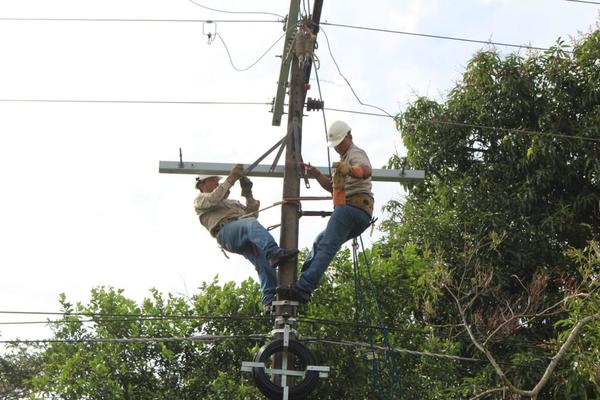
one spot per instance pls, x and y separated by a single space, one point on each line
246 185
236 173
341 167
310 170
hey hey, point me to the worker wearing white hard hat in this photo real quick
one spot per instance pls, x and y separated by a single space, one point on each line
236 228
352 213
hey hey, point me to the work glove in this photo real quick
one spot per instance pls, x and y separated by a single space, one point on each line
341 167
310 170
246 185
236 173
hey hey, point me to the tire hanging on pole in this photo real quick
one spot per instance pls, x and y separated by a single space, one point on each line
298 391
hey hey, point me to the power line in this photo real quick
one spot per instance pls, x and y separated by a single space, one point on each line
220 103
140 20
582 1
250 103
196 338
345 79
234 12
128 316
445 37
214 338
459 39
255 62
479 126
508 130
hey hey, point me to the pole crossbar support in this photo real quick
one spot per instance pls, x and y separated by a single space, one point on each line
263 170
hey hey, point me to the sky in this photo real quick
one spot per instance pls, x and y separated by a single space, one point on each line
82 203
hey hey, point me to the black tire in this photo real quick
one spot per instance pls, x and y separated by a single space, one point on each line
273 391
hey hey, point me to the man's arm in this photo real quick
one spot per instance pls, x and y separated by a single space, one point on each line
323 180
252 204
361 171
207 200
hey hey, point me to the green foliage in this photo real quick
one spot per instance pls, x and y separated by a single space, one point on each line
17 366
503 207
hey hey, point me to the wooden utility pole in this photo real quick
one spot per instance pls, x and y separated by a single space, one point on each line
290 212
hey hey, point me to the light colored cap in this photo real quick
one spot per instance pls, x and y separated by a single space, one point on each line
337 132
201 178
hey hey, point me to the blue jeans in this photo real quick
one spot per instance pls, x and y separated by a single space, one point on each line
250 239
345 223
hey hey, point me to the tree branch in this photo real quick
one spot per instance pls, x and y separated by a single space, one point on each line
551 366
490 391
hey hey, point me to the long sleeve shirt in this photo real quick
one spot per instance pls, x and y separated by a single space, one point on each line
214 208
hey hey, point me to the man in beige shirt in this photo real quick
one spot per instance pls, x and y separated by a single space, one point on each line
352 213
236 229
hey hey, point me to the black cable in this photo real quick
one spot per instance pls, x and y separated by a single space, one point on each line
357 112
324 121
467 125
347 82
434 36
136 20
235 12
247 103
582 1
227 103
116 317
201 338
255 62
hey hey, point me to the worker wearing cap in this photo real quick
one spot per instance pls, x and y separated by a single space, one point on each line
236 229
352 214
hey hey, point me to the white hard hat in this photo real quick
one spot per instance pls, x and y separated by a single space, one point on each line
201 178
337 132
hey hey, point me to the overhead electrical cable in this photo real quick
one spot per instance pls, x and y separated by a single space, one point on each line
478 126
255 62
584 1
218 103
250 103
140 20
213 338
196 338
444 37
234 12
345 79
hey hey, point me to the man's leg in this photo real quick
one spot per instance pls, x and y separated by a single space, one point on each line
235 237
345 223
267 276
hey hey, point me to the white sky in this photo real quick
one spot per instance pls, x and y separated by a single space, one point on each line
82 202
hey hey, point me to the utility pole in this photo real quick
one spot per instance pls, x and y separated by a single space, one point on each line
290 215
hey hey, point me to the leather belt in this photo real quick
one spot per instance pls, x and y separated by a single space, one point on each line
215 231
363 201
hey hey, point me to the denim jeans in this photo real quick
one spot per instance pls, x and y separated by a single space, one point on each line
345 223
250 239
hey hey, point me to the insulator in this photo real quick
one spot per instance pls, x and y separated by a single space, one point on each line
314 104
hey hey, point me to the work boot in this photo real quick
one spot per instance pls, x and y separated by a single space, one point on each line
293 293
283 255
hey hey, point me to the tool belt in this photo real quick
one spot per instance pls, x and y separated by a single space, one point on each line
363 201
215 231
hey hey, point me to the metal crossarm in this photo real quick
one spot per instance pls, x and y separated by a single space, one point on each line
263 170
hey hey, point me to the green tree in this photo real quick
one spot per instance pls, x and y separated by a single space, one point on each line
503 205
